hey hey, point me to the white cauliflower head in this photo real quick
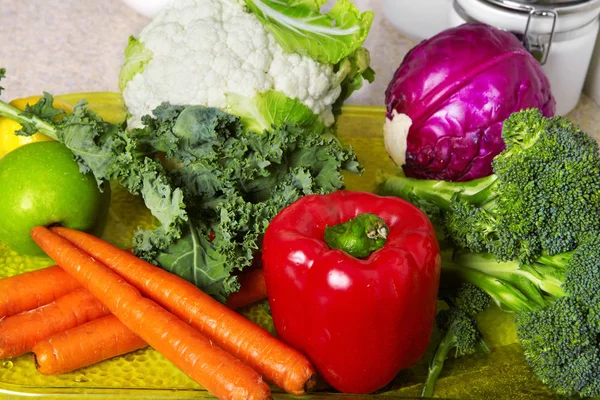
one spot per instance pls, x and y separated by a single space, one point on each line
201 51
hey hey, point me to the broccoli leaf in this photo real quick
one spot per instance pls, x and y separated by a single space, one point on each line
137 56
299 26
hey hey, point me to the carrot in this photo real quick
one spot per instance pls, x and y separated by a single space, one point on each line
85 345
107 337
252 289
20 332
210 366
33 289
275 360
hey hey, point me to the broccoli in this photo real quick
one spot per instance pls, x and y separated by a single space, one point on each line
556 303
529 236
560 344
543 196
459 330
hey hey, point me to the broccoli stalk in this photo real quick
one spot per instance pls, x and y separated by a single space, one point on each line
459 331
512 285
440 194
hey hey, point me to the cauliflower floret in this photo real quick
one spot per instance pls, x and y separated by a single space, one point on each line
204 49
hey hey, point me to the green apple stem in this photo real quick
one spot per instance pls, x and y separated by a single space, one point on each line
10 112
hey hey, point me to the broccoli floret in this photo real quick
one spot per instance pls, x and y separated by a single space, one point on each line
582 269
543 197
549 180
459 330
561 346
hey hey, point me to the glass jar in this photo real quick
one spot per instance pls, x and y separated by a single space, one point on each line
560 34
592 87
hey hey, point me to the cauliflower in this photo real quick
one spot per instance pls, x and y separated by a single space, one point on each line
203 52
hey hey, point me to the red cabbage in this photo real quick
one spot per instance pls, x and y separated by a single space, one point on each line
457 88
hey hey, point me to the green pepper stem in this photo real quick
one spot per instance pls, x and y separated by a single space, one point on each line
359 236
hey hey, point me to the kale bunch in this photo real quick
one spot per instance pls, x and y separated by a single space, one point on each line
212 184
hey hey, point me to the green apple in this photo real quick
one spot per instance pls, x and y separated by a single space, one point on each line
40 184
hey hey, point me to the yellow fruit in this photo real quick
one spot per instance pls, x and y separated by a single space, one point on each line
9 141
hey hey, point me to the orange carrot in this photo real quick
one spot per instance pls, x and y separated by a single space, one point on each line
85 345
33 289
275 360
210 366
107 337
20 332
252 289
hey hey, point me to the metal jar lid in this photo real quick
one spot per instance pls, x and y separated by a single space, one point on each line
562 6
539 43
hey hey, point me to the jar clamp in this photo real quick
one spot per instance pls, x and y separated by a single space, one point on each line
560 34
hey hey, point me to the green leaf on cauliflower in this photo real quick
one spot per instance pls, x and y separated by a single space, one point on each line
137 56
352 71
271 108
300 27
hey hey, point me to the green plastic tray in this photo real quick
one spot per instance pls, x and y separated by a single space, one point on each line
143 374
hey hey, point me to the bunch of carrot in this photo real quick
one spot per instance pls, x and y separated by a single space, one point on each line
37 311
133 304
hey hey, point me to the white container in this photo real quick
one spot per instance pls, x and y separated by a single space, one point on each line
561 34
417 19
148 8
592 87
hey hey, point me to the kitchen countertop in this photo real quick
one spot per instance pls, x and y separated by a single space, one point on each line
66 46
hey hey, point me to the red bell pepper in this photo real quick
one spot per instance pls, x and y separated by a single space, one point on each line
352 281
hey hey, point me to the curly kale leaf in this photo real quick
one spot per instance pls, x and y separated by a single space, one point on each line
235 181
2 76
